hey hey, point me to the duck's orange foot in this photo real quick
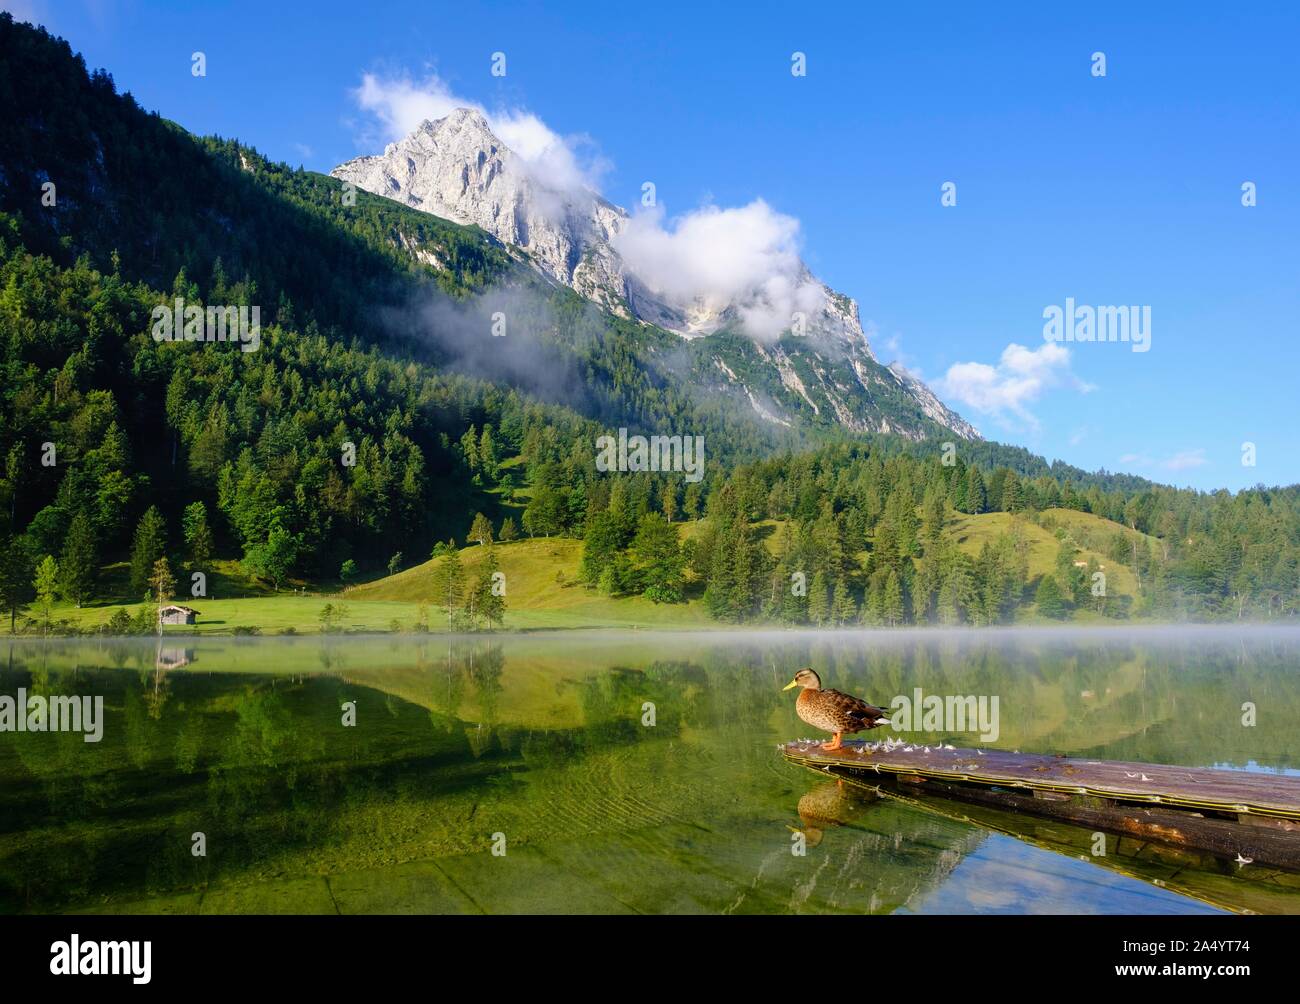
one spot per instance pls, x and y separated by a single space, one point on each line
834 744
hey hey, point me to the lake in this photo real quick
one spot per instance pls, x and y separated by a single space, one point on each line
605 772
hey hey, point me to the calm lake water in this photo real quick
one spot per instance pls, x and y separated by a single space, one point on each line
542 743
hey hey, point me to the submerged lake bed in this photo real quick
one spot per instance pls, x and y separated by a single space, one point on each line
609 772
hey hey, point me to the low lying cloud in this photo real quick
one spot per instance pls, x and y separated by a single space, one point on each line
1020 377
1184 460
712 258
400 103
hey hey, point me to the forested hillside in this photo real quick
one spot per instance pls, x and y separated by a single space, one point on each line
379 413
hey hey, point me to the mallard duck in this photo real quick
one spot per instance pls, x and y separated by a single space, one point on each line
832 711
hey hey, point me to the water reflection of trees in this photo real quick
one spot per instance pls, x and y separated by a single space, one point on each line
261 764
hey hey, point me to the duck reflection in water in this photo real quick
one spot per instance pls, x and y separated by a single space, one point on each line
833 803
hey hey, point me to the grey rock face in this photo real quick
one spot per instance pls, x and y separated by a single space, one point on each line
458 169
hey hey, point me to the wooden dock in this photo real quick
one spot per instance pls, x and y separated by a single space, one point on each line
1233 814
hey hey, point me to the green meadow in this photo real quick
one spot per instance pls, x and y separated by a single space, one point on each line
543 587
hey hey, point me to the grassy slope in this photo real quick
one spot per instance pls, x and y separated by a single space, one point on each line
973 531
532 568
538 598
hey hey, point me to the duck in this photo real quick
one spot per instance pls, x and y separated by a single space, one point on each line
833 711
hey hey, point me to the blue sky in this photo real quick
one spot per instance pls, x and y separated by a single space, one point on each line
1123 189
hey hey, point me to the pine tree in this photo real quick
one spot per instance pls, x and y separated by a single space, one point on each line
16 573
469 452
668 501
148 546
691 502
14 479
934 514
844 609
1048 597
489 591
892 601
600 543
79 561
976 497
873 604
1011 501
957 488
950 611
199 543
487 452
658 559
508 531
819 599
449 585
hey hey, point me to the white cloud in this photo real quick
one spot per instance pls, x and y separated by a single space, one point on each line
1183 460
399 104
714 257
1007 389
711 257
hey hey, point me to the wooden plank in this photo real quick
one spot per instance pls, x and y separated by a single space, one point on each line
1203 788
1277 847
1202 874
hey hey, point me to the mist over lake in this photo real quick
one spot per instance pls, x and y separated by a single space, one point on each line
539 745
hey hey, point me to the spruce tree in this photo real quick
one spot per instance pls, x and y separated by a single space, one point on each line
893 600
843 607
79 561
1048 598
199 544
489 595
149 545
950 612
819 599
16 572
976 497
448 585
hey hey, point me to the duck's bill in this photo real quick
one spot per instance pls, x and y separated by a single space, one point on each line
791 685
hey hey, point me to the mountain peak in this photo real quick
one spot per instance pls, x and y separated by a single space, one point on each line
458 119
457 168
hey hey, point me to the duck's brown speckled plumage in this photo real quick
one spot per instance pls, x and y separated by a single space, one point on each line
835 711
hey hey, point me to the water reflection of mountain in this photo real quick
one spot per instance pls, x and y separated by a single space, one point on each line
544 741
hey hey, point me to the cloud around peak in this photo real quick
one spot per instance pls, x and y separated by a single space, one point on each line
398 104
706 260
710 257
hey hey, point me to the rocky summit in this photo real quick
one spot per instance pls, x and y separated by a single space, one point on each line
822 369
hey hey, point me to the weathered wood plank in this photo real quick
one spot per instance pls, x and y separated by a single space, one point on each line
1211 876
1203 788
